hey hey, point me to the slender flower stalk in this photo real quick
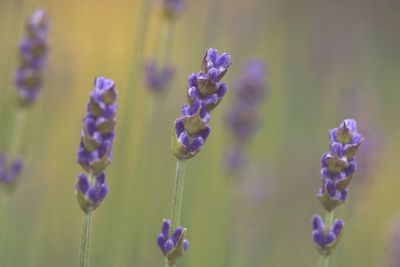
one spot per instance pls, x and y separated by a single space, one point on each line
28 79
190 131
160 72
242 117
94 155
337 170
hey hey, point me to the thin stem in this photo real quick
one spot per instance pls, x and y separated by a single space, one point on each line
324 259
329 219
16 137
84 255
177 194
166 43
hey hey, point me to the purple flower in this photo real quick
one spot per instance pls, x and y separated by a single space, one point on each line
205 91
172 8
10 171
242 118
91 193
338 165
158 79
326 239
97 136
33 56
172 246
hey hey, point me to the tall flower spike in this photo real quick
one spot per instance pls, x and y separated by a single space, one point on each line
205 91
33 56
242 118
338 165
172 246
337 170
326 239
97 137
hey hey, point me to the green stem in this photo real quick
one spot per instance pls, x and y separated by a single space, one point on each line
84 255
177 194
324 259
16 137
166 43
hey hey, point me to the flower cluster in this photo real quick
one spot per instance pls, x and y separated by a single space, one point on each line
339 165
33 56
326 239
172 245
172 8
242 116
158 78
9 172
97 137
337 170
205 92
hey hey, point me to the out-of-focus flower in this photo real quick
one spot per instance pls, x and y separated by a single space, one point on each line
242 118
9 172
172 8
97 137
158 78
172 246
33 56
205 91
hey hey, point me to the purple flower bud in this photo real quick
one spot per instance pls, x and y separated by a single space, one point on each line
97 136
90 191
338 165
172 247
158 79
326 239
205 91
33 56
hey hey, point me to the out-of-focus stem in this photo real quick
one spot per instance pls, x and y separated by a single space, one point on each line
166 42
17 133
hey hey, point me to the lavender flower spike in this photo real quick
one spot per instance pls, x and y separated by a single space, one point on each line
326 239
33 56
205 91
97 137
172 246
338 165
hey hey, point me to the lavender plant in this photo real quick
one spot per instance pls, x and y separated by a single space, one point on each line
94 155
28 80
159 73
242 117
190 131
337 170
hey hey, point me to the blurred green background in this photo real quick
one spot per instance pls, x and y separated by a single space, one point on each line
328 60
